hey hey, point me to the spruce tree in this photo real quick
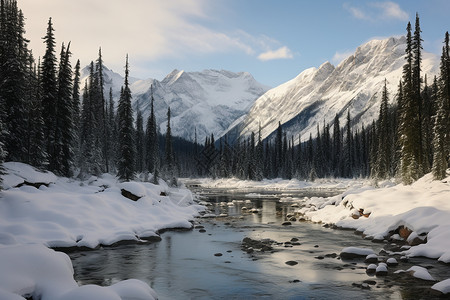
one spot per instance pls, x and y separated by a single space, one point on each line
337 147
140 142
152 144
169 155
380 169
112 133
49 88
439 140
14 58
76 111
126 162
36 146
62 160
409 133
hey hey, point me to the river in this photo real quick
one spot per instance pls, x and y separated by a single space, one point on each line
209 262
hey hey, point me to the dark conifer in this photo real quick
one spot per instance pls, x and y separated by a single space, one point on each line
152 144
126 161
49 91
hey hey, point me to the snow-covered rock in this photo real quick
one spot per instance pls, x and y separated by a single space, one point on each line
354 252
418 272
319 94
442 287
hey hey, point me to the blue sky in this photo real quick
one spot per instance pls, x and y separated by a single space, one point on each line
272 40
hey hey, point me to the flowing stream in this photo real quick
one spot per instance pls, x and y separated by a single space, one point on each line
209 262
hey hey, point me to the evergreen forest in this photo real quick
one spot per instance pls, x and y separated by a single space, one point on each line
52 121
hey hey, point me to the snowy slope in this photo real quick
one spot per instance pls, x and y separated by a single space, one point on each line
318 94
208 101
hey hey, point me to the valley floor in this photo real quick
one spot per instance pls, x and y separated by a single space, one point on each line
40 210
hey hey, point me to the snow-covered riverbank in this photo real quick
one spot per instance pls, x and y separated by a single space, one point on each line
39 210
421 210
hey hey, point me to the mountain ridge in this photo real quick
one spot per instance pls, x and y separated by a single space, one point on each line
316 95
205 102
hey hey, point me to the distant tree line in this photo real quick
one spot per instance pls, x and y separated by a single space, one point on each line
410 138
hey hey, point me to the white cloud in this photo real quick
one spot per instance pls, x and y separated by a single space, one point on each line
356 12
378 11
340 56
391 10
280 53
148 30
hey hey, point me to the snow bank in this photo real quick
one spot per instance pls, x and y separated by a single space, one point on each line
422 207
63 212
18 173
280 184
71 213
38 272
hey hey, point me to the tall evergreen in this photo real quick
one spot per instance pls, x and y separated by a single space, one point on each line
62 159
169 155
112 133
140 142
409 133
35 137
49 88
76 110
416 94
348 154
102 109
439 142
152 144
14 58
337 147
126 162
382 161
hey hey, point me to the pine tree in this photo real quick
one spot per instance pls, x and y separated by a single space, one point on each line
140 142
126 153
14 58
337 147
169 155
417 97
76 111
112 134
152 144
102 111
49 88
380 169
439 140
62 160
427 134
409 133
36 146
348 157
278 163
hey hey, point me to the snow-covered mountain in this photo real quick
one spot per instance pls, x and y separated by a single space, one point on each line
208 101
318 94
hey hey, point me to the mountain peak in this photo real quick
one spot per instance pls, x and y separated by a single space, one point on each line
317 95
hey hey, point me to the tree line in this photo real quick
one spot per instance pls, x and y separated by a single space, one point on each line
410 138
48 120
51 120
